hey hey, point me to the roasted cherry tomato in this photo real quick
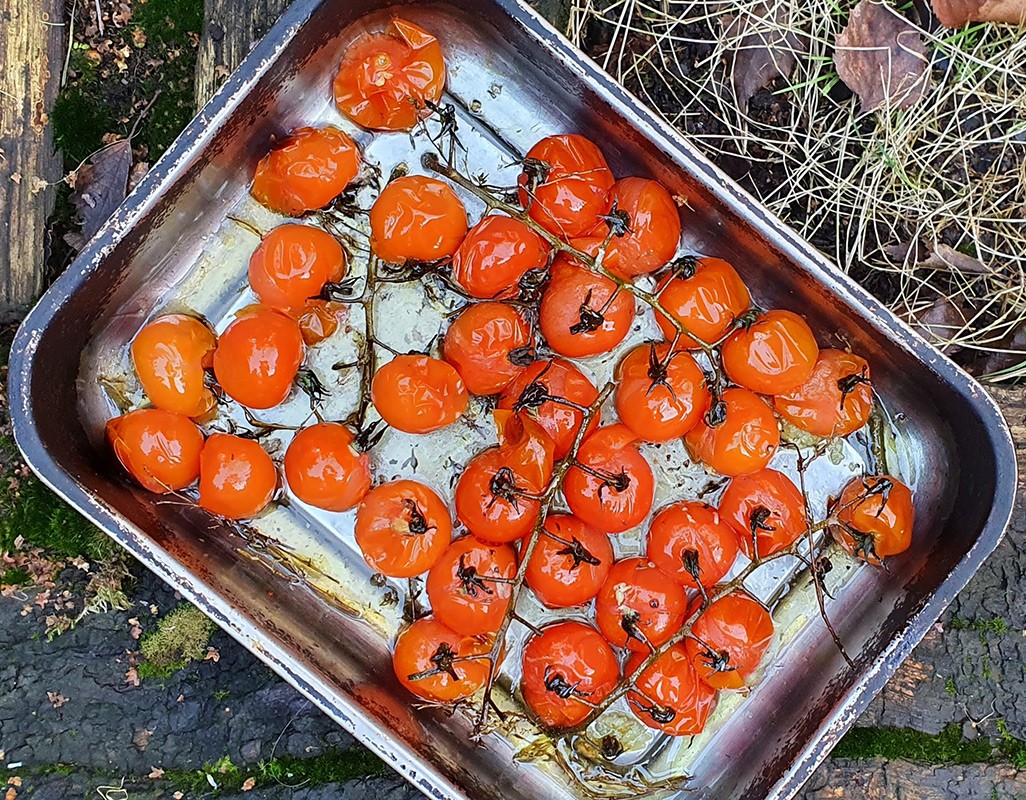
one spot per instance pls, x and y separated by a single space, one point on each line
766 508
470 585
489 344
387 81
237 478
660 396
439 665
570 562
291 265
583 314
319 319
418 394
668 695
743 439
306 170
728 641
835 400
639 606
705 295
495 255
402 528
611 487
258 356
530 392
874 517
648 236
774 354
160 449
325 469
417 219
690 541
170 355
565 184
496 496
567 669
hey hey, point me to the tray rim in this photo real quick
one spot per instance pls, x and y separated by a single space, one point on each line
345 712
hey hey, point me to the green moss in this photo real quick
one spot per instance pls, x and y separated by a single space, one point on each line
946 747
1014 750
170 21
995 625
79 123
180 638
14 576
950 688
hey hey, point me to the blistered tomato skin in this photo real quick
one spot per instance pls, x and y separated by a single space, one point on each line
743 441
417 219
324 468
653 228
729 640
170 355
237 477
836 400
496 253
479 344
874 517
706 295
690 541
469 587
319 319
424 661
639 606
567 669
291 265
159 448
766 509
775 354
306 170
388 80
570 562
402 528
418 394
658 396
668 695
568 188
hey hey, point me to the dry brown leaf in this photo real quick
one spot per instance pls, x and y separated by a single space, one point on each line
248 784
99 189
14 780
951 260
881 57
141 739
56 699
132 676
766 48
956 13
212 654
12 794
156 772
938 318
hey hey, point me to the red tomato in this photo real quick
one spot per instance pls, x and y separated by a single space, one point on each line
554 378
612 486
570 562
418 394
170 355
325 469
660 396
639 606
567 669
160 449
744 439
417 219
583 314
439 665
775 354
766 507
706 295
470 585
668 695
402 528
565 184
496 496
237 478
495 255
387 81
484 342
728 641
836 399
874 517
258 356
292 264
691 542
319 319
653 227
306 170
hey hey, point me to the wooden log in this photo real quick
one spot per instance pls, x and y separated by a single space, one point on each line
32 40
230 29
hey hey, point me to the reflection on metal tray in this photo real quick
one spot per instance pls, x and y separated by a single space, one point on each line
292 588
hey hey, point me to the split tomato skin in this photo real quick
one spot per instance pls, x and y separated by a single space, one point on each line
706 295
258 356
422 648
159 448
495 254
417 219
469 586
170 355
639 605
668 695
319 319
567 668
480 344
570 562
660 396
291 265
766 510
306 170
836 400
418 394
653 231
742 442
402 528
325 469
729 640
773 355
875 517
238 479
688 537
387 81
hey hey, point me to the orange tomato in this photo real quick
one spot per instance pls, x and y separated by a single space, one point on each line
775 354
258 356
570 562
469 586
874 517
743 439
495 255
160 449
439 665
325 469
691 542
402 528
418 394
237 478
639 606
668 695
653 229
706 295
481 342
170 355
728 641
319 319
660 396
417 219
291 265
836 400
766 508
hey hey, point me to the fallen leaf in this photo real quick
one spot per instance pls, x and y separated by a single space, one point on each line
138 172
938 318
1008 353
951 260
141 739
882 58
100 186
767 47
156 772
212 654
14 781
56 699
12 794
178 795
132 676
248 784
956 13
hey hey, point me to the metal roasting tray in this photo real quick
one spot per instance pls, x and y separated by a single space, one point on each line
296 602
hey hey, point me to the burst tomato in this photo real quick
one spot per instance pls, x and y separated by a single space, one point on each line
470 585
237 478
402 528
668 695
170 355
653 227
775 354
691 542
495 255
417 219
728 641
258 356
570 562
836 399
291 265
438 664
325 469
743 439
639 606
487 344
160 449
319 319
705 295
418 394
874 517
659 395
766 508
